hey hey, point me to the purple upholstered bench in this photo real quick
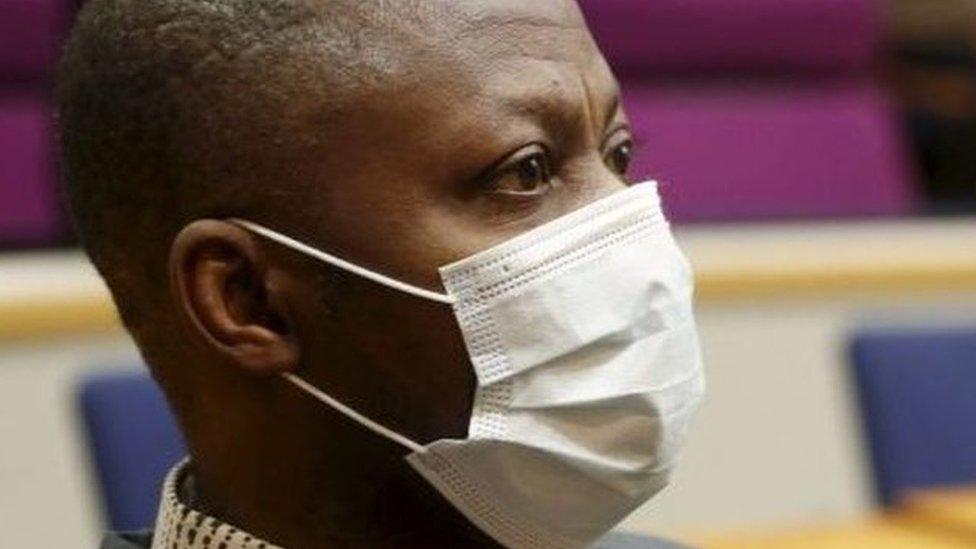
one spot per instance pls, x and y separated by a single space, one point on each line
758 109
28 202
30 40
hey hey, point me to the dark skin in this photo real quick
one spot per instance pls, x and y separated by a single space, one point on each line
489 127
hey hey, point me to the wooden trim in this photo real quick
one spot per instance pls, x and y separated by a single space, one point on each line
57 317
835 282
53 316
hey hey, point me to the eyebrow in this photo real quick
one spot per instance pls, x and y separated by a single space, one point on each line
561 107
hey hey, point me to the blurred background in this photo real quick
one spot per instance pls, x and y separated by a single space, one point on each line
819 160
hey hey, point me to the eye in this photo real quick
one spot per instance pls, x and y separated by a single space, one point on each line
619 157
528 173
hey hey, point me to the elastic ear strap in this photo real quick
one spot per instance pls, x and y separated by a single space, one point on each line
353 414
343 264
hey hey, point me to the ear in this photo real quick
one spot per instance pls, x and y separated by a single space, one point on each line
229 293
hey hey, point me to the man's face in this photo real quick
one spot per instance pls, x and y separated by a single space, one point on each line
485 127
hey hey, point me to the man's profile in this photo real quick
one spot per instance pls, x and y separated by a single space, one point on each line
348 232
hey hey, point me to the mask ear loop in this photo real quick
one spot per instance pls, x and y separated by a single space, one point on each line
353 414
342 263
384 280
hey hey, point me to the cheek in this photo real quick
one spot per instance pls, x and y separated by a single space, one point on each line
458 230
406 355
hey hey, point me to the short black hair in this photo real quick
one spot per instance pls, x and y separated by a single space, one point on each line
172 110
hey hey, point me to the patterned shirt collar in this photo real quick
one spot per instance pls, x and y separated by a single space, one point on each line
179 527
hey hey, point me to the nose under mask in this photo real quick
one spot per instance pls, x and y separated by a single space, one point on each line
583 343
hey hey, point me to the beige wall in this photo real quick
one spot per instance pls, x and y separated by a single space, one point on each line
47 498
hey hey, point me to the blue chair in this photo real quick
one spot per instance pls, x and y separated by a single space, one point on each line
133 440
917 393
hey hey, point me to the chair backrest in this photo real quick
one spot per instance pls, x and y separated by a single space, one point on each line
133 440
29 211
31 34
30 37
747 110
745 36
917 393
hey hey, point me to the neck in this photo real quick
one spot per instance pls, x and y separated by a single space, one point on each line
296 493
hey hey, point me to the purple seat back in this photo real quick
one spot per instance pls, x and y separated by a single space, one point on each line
28 202
30 37
745 35
726 153
31 32
758 108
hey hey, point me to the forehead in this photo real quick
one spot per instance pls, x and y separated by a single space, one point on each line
548 35
496 17
509 53
485 37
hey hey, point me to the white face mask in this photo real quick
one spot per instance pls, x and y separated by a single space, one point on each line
588 371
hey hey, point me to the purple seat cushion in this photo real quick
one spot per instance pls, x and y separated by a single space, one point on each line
30 36
695 35
728 153
28 202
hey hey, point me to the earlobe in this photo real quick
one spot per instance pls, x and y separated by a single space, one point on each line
219 280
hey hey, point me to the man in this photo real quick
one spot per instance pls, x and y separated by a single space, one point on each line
395 137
